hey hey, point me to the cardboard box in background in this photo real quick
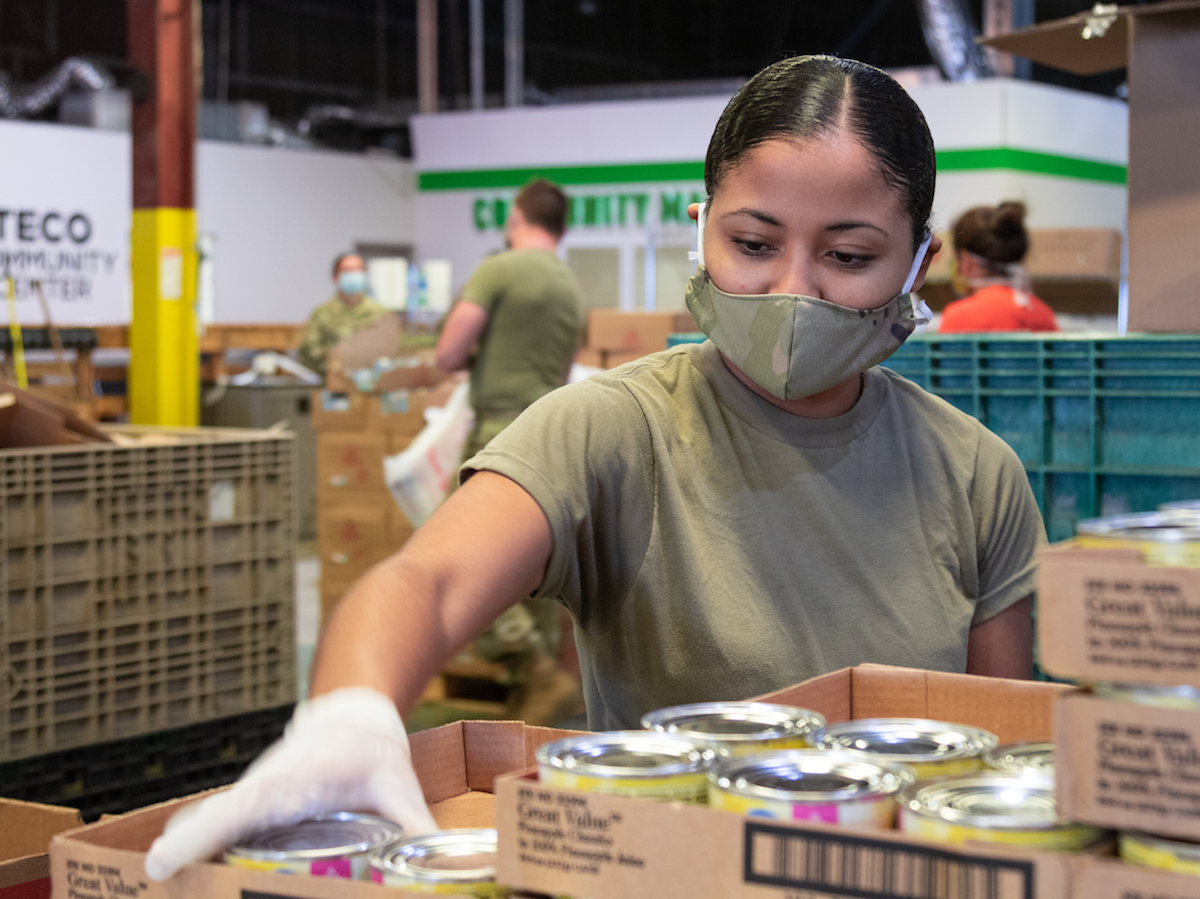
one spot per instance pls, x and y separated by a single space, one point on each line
612 847
1105 615
1159 44
641 332
1074 270
457 765
26 829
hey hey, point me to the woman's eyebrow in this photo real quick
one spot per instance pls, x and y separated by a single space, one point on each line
853 226
755 214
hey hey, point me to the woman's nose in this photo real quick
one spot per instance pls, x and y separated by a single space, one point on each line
798 278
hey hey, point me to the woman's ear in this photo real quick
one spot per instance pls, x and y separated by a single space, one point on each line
693 211
935 245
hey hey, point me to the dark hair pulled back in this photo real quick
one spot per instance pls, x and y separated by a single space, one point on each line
996 234
808 96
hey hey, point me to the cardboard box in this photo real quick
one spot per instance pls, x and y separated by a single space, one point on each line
25 832
457 765
1131 766
613 358
1105 615
645 332
612 847
340 410
350 461
1159 44
590 356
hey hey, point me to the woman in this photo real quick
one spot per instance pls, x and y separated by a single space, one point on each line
720 519
989 244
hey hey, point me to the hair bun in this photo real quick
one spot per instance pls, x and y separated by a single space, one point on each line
1010 220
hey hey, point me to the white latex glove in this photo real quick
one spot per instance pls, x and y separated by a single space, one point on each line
343 751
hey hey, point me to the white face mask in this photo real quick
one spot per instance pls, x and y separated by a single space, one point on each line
795 346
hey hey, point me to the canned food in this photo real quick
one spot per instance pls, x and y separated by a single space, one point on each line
1167 697
642 763
1158 852
931 748
992 807
745 727
810 785
449 861
338 845
1165 538
1181 505
1017 758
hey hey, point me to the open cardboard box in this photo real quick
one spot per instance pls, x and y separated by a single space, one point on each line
612 847
457 765
25 832
1106 615
1159 44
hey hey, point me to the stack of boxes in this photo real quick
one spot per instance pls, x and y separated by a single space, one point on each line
615 337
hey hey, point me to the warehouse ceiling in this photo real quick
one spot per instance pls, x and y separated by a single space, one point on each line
294 55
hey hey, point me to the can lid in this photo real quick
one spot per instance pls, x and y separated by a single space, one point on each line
1176 696
1180 505
1154 527
994 799
448 856
907 739
324 836
735 722
630 754
810 775
1028 755
1181 849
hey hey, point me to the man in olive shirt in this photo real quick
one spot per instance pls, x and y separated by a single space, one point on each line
515 328
347 312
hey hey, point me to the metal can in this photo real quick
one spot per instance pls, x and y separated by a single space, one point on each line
745 727
1166 697
1181 505
992 807
649 764
1165 538
930 748
1017 758
449 861
338 845
810 785
1158 852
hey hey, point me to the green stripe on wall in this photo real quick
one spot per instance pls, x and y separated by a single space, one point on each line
565 174
649 172
1029 161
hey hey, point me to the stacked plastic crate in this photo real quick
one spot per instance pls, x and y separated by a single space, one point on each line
145 586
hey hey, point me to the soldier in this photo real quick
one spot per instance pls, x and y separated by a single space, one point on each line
345 313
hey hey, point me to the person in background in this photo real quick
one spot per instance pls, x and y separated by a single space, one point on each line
515 329
721 519
345 313
989 244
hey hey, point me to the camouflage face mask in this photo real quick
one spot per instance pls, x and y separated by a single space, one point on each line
796 346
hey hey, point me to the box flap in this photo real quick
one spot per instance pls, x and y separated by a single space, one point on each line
1063 43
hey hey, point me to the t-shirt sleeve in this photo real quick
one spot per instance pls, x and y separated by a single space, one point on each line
1009 529
486 283
584 454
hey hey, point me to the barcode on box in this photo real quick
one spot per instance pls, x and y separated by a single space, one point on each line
842 865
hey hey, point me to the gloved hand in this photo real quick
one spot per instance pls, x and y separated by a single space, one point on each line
343 751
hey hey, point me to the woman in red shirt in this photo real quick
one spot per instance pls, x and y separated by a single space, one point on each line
989 244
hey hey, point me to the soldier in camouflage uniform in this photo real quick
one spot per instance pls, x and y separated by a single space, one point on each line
347 312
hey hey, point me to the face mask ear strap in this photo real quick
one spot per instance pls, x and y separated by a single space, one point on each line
916 266
698 255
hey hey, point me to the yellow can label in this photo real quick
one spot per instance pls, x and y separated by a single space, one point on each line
482 890
1171 553
692 787
1060 839
875 813
947 768
1138 852
757 746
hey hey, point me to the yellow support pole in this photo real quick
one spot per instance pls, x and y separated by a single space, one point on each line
164 376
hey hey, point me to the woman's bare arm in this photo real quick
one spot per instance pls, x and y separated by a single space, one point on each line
1003 646
483 550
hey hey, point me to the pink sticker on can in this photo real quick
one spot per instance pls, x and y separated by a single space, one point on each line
334 867
376 875
824 814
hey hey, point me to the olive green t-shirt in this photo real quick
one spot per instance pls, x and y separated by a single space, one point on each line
711 546
533 302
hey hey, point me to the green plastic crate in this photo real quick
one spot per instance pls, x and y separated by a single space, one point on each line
1103 424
